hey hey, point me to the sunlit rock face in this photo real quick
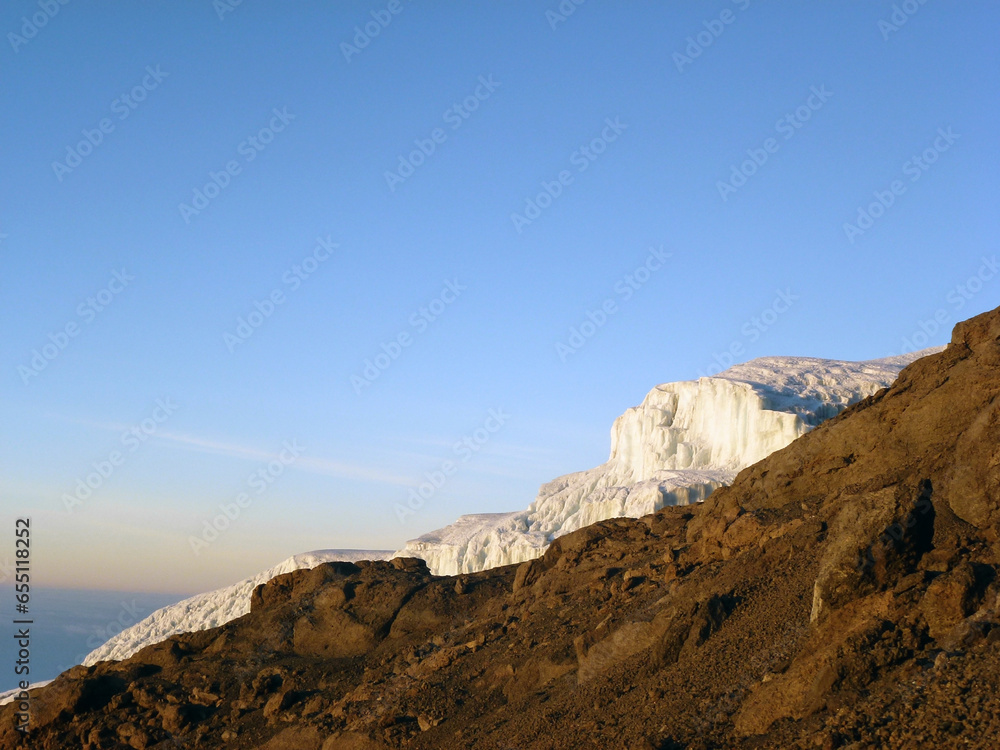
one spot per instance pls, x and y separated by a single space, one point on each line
215 608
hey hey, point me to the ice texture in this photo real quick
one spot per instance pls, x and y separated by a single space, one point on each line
683 441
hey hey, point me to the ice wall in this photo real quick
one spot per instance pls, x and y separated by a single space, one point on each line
685 440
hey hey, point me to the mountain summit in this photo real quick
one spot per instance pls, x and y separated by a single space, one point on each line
840 593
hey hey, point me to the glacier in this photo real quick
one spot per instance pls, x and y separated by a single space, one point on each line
214 608
683 441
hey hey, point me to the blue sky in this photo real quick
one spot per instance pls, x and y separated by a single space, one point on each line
705 160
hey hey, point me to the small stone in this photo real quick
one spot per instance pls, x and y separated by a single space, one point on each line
425 722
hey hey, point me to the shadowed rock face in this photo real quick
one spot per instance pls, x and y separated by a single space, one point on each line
841 593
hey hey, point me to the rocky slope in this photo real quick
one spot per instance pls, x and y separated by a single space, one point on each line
841 593
214 608
684 441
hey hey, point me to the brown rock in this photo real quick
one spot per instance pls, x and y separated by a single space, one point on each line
804 604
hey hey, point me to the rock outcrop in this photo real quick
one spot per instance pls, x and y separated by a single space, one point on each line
214 608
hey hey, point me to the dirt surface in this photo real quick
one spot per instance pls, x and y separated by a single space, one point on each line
842 593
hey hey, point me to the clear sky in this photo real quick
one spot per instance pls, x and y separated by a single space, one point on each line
214 217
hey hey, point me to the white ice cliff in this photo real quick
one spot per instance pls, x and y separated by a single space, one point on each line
217 607
685 440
